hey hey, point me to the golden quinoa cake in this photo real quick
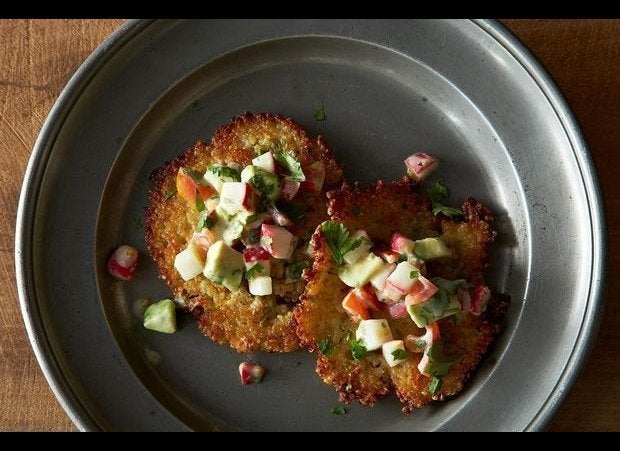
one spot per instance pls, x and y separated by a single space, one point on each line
177 220
456 342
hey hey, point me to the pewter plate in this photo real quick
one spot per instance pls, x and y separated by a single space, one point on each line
466 91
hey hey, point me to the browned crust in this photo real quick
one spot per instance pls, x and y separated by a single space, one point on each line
382 209
246 322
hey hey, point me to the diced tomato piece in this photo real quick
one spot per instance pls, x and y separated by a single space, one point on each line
422 290
369 298
354 305
188 182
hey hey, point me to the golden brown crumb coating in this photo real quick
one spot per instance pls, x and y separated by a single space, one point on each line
248 323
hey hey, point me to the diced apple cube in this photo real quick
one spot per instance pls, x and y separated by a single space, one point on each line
361 250
389 294
315 177
378 280
265 162
401 244
236 197
276 240
361 271
189 262
260 286
420 165
393 351
403 278
373 333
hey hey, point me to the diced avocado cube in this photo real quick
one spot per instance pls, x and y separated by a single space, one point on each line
161 317
438 307
361 271
224 265
430 248
265 182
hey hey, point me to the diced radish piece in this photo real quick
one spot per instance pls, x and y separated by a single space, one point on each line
479 299
190 262
422 291
424 342
251 373
464 297
361 271
315 176
390 349
265 162
355 306
289 188
378 280
122 263
389 294
188 182
418 263
277 240
388 255
257 220
373 333
260 286
236 197
361 250
404 277
420 165
397 309
280 218
424 364
369 298
255 254
401 244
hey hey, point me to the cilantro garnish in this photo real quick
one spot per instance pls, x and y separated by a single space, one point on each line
200 204
291 165
440 363
319 113
205 221
358 349
402 258
325 346
225 172
339 241
338 410
293 271
435 385
254 271
438 193
196 176
400 354
413 274
294 211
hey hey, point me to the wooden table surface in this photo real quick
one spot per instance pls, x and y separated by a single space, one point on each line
38 57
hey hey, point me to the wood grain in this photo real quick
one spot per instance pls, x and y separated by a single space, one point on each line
39 56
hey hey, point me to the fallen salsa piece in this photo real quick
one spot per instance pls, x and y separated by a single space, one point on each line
396 297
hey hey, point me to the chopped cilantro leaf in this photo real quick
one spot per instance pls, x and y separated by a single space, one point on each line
170 194
294 211
400 354
224 172
440 363
338 240
196 176
205 221
438 193
200 204
319 113
291 165
338 410
402 258
413 274
449 212
325 346
293 271
254 271
435 385
358 349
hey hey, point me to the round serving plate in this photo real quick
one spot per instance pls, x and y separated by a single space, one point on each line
466 91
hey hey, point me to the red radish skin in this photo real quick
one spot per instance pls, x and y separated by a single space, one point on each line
289 189
397 309
480 297
464 298
255 254
368 297
280 218
420 165
276 240
315 177
251 373
432 335
123 262
401 244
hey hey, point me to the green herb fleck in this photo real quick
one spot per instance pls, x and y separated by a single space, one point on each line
293 271
438 193
440 363
291 209
291 165
319 113
170 194
338 410
200 204
224 172
254 271
358 349
137 223
196 176
205 221
325 346
400 354
435 385
402 258
357 211
413 274
338 240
